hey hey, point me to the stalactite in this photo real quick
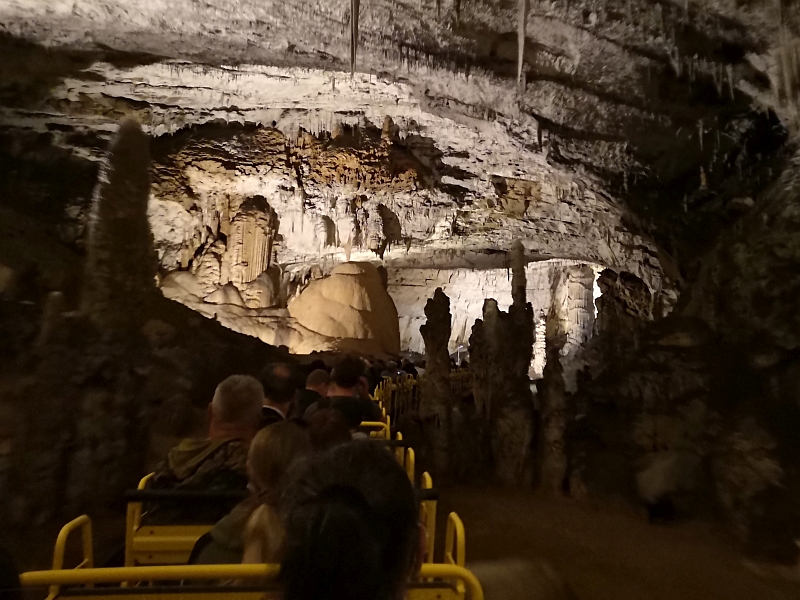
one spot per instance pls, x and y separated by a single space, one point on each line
354 14
522 18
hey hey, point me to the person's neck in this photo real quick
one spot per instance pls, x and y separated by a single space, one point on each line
335 390
283 409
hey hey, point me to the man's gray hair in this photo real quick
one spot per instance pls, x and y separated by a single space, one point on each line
238 399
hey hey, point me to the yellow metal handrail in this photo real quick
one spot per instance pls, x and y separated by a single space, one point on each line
455 552
428 516
410 464
381 429
84 523
133 521
400 452
210 572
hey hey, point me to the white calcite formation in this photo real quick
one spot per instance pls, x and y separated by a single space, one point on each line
549 283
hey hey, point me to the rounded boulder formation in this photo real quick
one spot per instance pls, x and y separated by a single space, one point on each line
353 306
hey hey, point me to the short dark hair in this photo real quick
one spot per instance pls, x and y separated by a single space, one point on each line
348 371
278 382
317 377
351 525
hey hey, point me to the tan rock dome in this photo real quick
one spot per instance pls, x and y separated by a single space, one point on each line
353 306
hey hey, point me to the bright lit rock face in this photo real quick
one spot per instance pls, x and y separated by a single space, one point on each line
351 307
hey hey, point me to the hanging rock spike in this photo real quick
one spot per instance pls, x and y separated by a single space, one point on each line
521 25
354 10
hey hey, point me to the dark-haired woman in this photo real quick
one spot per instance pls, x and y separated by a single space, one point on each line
351 526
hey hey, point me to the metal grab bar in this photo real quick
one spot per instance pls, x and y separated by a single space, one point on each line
226 572
84 523
133 520
380 428
428 497
410 464
454 542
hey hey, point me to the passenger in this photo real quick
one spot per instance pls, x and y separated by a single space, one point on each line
316 387
346 393
250 527
328 428
272 455
217 463
409 368
279 392
351 527
391 371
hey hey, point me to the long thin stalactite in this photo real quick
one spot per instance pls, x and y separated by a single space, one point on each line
354 10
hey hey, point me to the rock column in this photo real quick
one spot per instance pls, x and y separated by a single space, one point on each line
501 348
436 404
119 277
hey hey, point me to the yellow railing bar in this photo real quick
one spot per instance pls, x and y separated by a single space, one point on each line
133 520
454 542
85 524
429 516
400 452
381 427
410 464
181 572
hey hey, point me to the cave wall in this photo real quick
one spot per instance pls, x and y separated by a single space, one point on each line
699 411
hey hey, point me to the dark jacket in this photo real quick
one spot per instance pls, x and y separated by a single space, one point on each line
202 465
305 399
269 416
354 408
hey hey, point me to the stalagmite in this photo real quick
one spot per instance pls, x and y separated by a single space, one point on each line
120 260
51 317
436 404
553 407
501 348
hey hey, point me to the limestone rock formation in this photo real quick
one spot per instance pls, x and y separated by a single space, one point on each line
119 276
352 307
501 349
250 237
436 404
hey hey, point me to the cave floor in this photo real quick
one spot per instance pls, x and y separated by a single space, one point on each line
609 554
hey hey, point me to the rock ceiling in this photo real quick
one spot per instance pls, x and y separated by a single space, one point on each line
636 124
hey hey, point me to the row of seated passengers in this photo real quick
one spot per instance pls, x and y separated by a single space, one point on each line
312 494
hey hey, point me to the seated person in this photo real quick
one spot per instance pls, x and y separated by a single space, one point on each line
316 388
251 530
351 526
346 393
216 463
279 392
